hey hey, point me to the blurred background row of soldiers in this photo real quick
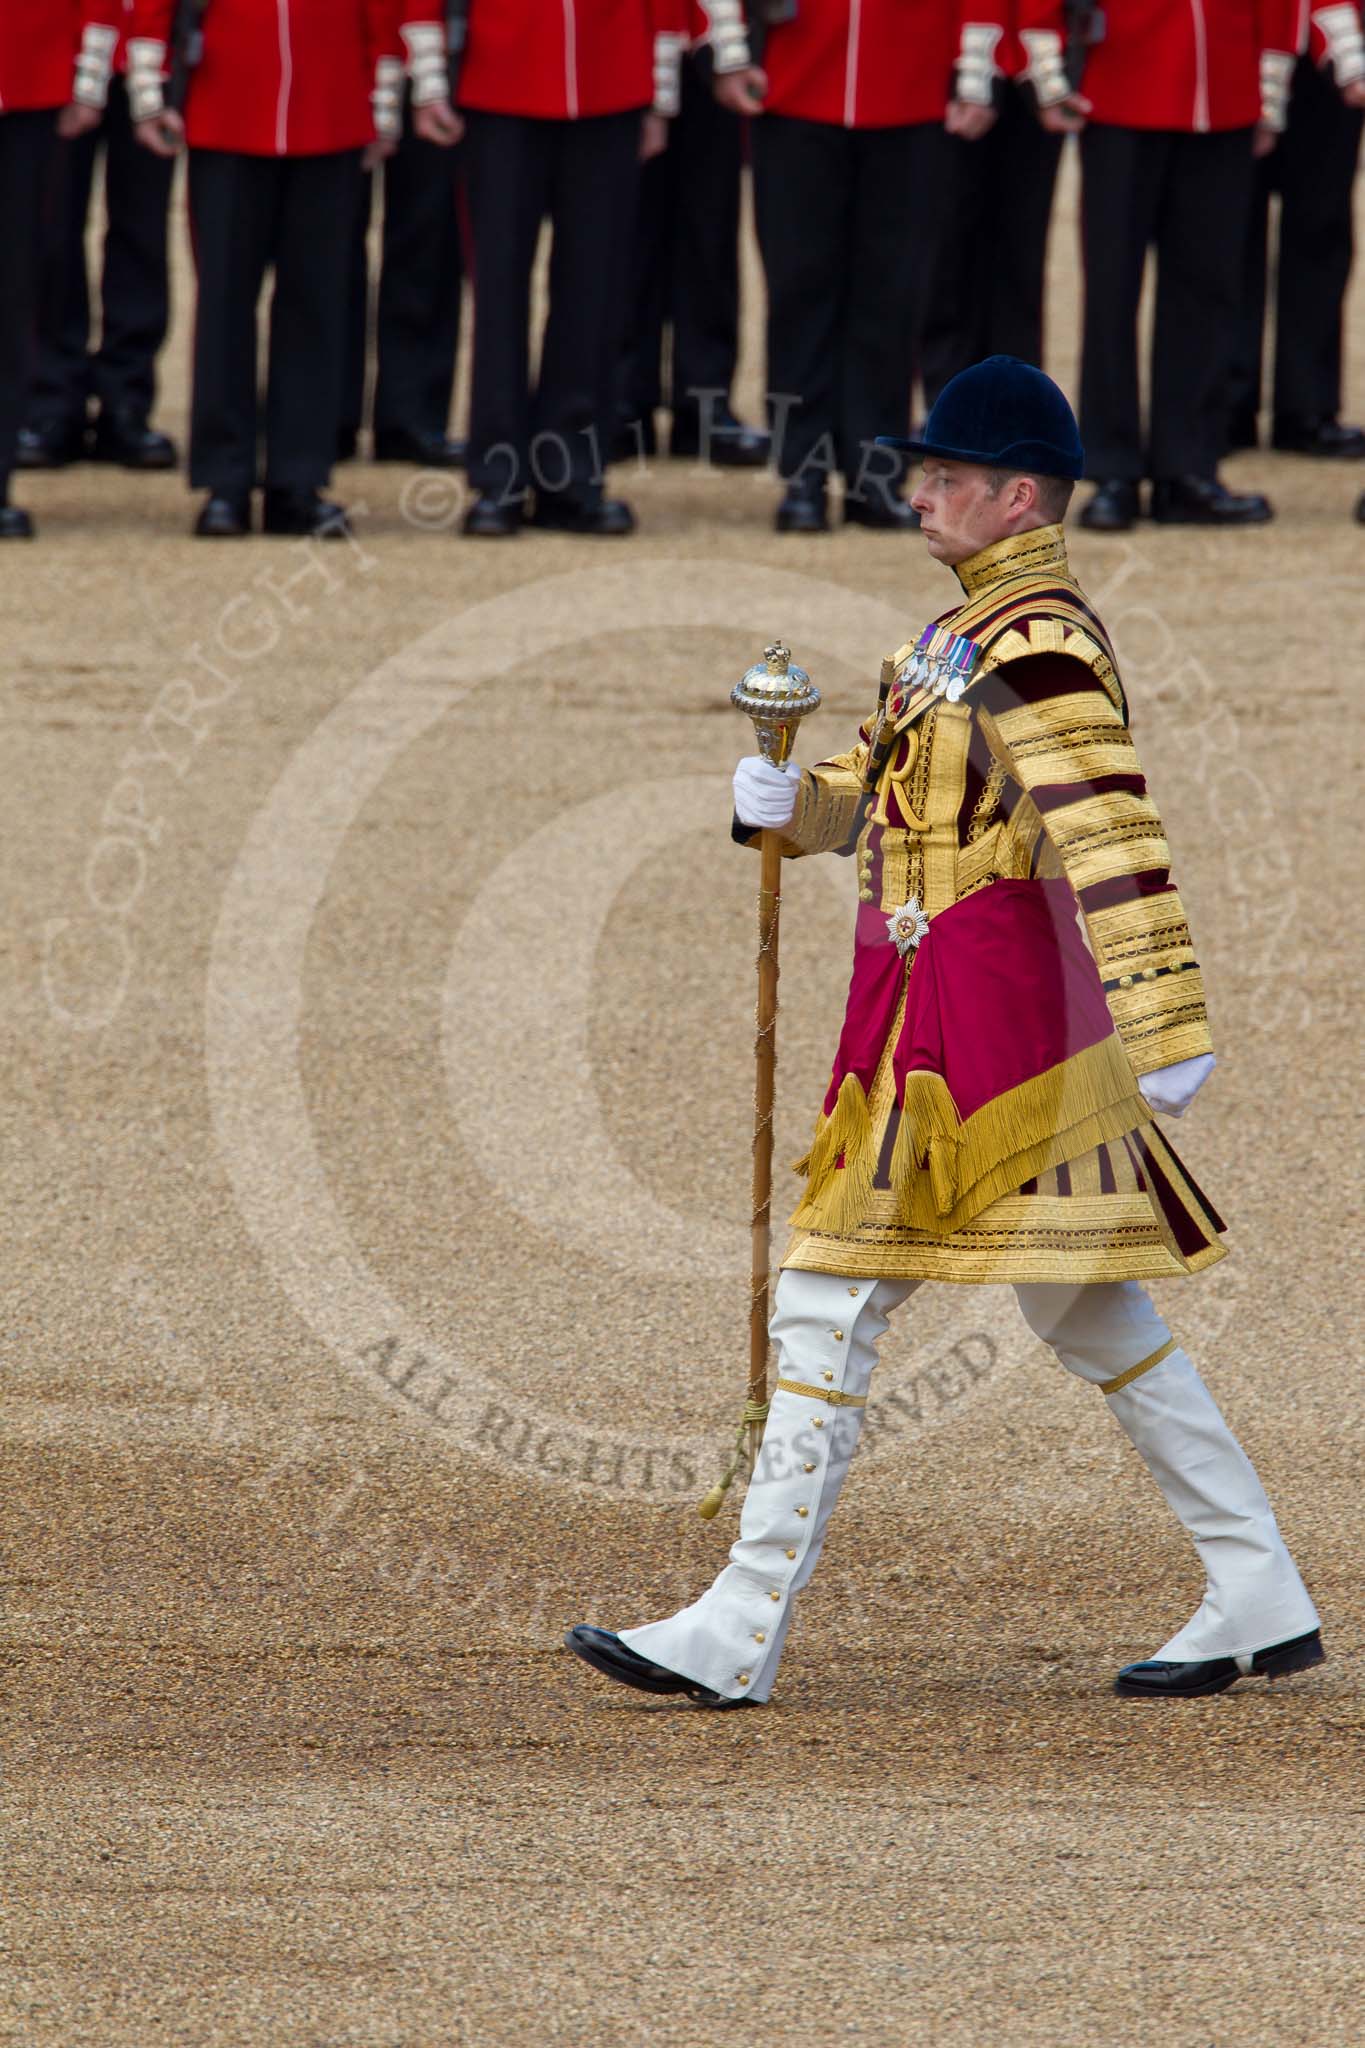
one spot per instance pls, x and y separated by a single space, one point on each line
904 156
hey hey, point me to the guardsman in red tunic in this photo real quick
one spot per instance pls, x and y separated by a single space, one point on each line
986 293
280 108
1313 169
685 278
45 79
554 102
1176 100
119 372
858 98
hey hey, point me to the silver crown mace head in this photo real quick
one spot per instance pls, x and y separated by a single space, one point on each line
776 695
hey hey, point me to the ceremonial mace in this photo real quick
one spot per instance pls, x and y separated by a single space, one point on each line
776 697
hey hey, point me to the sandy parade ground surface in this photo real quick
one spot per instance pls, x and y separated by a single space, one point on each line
377 1085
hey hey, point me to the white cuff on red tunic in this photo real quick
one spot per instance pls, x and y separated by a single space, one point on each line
1277 74
1046 67
428 62
94 65
668 56
976 70
146 77
386 101
729 36
1339 27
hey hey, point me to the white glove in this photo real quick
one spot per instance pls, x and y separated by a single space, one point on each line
764 794
1171 1090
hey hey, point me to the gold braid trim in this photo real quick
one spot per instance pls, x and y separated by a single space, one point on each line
1151 931
1104 836
945 1171
1162 1021
1135 1372
835 1399
827 804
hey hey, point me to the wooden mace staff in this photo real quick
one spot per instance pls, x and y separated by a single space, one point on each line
776 697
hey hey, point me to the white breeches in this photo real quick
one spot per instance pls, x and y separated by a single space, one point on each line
826 1329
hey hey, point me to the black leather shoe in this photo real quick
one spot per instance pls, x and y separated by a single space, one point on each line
1204 501
1162 1680
491 518
52 444
15 523
1319 437
730 443
614 1659
1114 508
304 515
423 450
127 439
606 518
887 515
803 508
223 519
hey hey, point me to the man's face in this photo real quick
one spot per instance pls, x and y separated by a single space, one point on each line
958 514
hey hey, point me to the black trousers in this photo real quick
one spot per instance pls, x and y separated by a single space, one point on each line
1189 196
28 144
685 263
417 310
986 293
848 222
584 176
134 278
1313 169
294 214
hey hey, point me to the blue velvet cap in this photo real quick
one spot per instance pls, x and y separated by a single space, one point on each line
1004 414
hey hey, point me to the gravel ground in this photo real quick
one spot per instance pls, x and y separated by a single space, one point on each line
377 1081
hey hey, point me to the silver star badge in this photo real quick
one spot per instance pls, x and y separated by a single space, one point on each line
907 926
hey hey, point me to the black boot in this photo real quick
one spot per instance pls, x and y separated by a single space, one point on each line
562 512
1160 1679
125 437
304 515
223 518
803 507
50 444
1114 508
490 518
1204 501
883 511
614 1659
422 449
730 443
15 523
1331 437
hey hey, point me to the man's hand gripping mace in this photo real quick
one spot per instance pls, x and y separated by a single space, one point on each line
776 697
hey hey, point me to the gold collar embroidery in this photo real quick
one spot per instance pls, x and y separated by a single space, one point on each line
1035 553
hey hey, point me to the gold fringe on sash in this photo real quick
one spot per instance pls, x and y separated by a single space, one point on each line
946 1171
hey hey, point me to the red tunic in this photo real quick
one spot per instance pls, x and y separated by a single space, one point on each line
866 63
38 44
558 60
1189 65
281 77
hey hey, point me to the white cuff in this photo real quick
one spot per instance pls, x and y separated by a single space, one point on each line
668 56
728 36
428 62
1277 73
146 78
1046 67
1339 27
94 66
386 101
976 71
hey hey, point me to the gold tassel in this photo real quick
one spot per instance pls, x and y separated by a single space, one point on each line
1082 1102
930 1129
836 1197
754 1416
